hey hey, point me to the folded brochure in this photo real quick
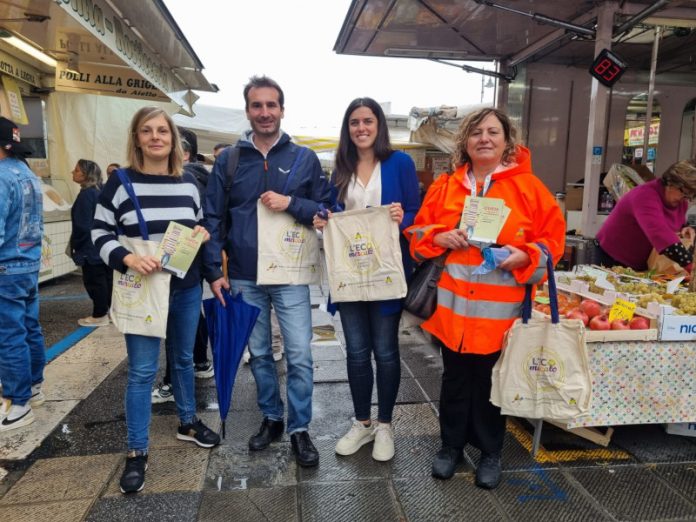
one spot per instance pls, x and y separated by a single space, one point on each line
178 249
483 218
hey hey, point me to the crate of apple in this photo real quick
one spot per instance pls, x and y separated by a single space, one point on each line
596 317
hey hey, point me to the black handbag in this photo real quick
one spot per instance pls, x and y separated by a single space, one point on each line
421 298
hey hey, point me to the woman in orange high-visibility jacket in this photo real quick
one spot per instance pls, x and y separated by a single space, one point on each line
474 311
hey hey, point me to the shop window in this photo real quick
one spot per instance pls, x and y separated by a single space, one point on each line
633 151
687 140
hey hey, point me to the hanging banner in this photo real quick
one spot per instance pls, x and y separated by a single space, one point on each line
106 79
10 66
634 136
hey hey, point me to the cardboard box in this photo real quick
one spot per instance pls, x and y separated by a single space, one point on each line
687 429
676 327
573 199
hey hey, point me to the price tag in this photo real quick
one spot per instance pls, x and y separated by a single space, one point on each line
622 309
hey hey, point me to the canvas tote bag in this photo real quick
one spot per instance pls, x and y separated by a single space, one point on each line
543 371
288 250
363 256
139 303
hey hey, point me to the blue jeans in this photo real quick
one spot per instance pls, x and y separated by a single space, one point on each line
367 331
294 312
22 350
143 357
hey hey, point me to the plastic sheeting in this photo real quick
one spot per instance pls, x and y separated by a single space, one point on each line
90 127
437 126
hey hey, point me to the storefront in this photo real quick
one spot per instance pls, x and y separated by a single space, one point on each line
73 73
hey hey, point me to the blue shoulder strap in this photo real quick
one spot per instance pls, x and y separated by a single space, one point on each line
300 153
553 293
126 182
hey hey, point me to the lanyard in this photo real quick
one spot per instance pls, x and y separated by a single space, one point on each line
486 183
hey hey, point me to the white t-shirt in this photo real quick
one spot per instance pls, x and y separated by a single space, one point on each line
363 196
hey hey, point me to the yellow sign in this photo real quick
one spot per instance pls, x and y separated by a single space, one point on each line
14 101
107 79
622 310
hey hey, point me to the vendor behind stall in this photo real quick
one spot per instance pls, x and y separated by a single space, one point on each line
652 216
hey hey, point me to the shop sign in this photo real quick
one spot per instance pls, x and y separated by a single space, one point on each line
635 135
104 79
100 20
19 70
15 106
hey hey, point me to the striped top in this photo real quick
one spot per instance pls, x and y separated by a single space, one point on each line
162 199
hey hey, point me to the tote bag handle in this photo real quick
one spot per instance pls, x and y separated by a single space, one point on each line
553 292
126 182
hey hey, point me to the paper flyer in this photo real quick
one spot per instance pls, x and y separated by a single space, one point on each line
483 218
178 249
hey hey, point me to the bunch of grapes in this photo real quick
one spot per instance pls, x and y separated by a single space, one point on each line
685 303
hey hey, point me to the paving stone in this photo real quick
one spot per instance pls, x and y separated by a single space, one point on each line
413 456
332 409
169 470
328 352
67 479
650 443
142 507
330 371
20 443
514 456
254 505
73 380
335 468
75 437
414 419
110 392
457 499
544 495
630 493
682 477
104 344
366 501
54 511
236 467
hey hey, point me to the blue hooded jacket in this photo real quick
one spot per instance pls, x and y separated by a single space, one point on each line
309 188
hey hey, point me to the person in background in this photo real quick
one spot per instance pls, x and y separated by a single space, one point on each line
96 275
474 311
652 216
22 350
370 174
266 157
217 149
111 168
202 366
165 193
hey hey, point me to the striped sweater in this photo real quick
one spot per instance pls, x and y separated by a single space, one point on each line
162 199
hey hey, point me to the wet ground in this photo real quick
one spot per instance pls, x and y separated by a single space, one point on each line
67 464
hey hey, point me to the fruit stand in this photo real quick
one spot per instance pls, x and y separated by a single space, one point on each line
643 370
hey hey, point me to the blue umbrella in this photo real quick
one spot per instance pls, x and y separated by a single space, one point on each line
229 328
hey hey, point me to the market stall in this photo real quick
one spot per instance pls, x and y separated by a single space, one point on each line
643 370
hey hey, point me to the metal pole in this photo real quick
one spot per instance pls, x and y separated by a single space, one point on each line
651 89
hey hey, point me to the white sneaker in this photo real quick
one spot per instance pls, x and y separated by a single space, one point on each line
383 450
37 396
17 417
94 321
4 407
357 437
277 356
246 356
163 393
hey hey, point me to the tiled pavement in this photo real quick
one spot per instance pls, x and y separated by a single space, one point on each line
66 466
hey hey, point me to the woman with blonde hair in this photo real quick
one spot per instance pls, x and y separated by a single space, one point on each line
474 311
164 194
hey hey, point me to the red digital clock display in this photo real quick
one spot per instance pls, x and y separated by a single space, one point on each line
607 68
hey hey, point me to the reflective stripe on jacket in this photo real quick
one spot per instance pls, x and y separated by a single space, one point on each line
474 311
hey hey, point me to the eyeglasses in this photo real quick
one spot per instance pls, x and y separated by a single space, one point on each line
685 194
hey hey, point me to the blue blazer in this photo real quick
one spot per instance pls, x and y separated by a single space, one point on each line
399 185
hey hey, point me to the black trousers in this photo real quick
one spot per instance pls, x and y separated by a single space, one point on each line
98 280
466 413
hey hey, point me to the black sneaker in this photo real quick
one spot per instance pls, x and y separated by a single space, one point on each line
306 454
199 433
133 478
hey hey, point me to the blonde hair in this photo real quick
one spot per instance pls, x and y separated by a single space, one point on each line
469 124
681 175
135 154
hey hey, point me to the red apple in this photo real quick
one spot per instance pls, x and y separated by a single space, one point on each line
620 324
599 322
591 308
639 323
576 313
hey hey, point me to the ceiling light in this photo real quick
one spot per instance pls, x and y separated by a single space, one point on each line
29 49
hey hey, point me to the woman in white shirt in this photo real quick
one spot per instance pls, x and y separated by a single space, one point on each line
368 174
